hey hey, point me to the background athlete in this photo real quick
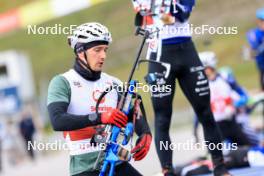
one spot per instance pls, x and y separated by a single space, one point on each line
177 49
227 97
255 39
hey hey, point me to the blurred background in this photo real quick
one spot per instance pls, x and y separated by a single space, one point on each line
28 61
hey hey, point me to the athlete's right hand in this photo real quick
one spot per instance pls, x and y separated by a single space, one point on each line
114 117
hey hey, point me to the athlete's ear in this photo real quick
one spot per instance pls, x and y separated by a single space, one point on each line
80 55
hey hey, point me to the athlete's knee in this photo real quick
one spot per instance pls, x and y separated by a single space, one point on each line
162 121
205 115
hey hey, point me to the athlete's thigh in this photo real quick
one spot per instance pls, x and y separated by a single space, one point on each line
195 86
163 88
192 78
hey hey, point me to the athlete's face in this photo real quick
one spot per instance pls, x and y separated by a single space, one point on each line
261 24
210 73
95 56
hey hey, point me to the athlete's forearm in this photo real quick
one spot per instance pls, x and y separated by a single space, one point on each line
63 121
142 126
141 123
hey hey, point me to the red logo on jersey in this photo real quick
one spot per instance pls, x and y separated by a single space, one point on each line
96 95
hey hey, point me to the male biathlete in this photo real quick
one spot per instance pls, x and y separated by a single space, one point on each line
175 47
228 103
226 98
72 98
255 39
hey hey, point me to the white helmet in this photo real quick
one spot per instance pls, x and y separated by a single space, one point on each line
208 59
89 32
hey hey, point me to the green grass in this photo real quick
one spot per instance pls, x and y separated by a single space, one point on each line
51 55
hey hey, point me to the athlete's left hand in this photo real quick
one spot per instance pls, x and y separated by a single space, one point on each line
142 147
167 19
